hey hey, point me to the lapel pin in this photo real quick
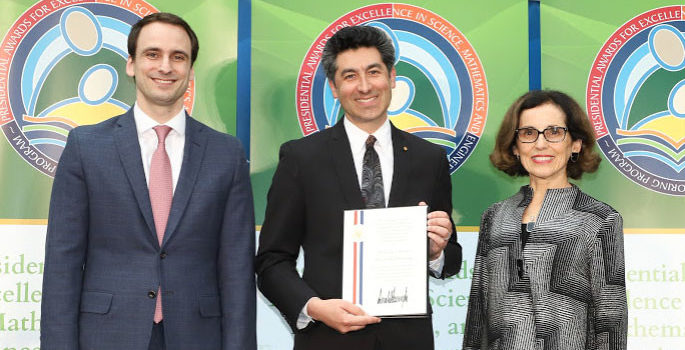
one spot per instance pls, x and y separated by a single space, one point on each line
404 148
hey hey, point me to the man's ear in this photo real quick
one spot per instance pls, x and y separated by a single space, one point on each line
331 84
393 75
130 67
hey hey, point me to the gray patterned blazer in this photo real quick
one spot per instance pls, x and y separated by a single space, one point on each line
565 290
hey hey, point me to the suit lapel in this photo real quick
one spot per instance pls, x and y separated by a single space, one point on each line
126 139
401 168
193 153
344 166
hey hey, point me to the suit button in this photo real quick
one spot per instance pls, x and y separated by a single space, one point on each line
162 255
151 294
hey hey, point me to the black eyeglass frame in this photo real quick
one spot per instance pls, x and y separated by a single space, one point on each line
542 132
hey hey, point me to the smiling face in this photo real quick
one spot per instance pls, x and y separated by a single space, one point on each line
545 161
363 86
162 68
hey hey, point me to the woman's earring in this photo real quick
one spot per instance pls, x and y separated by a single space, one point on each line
574 157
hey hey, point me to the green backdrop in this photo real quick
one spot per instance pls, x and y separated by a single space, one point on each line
25 192
282 32
573 32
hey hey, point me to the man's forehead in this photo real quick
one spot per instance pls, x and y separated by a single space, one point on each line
357 66
361 50
164 36
359 58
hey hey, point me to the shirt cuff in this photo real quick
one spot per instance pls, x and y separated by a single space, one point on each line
435 266
304 319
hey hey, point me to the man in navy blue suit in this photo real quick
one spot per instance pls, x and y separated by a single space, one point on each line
150 236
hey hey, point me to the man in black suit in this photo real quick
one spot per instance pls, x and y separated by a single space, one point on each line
319 176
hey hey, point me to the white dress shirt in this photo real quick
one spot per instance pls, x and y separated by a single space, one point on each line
174 142
383 146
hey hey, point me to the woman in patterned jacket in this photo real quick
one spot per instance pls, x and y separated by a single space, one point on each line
549 268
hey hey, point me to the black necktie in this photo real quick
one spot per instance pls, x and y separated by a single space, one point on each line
372 178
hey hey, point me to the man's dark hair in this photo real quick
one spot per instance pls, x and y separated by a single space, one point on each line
163 17
354 37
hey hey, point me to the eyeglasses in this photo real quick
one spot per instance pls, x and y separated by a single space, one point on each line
552 134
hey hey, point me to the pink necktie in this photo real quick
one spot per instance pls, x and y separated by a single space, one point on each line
161 193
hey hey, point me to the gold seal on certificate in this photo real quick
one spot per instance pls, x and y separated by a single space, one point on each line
385 255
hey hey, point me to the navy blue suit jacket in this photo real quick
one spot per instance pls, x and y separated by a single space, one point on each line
103 262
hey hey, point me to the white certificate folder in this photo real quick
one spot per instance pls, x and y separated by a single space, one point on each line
385 256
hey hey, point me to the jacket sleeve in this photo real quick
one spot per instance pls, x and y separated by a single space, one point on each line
607 278
236 262
280 240
443 201
475 334
65 251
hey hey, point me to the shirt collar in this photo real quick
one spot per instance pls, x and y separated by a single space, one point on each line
357 136
144 122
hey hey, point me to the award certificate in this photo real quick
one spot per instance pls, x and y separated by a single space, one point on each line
385 257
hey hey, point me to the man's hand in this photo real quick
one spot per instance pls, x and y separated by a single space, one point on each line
339 314
439 228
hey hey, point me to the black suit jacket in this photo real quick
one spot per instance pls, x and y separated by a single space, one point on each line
314 183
